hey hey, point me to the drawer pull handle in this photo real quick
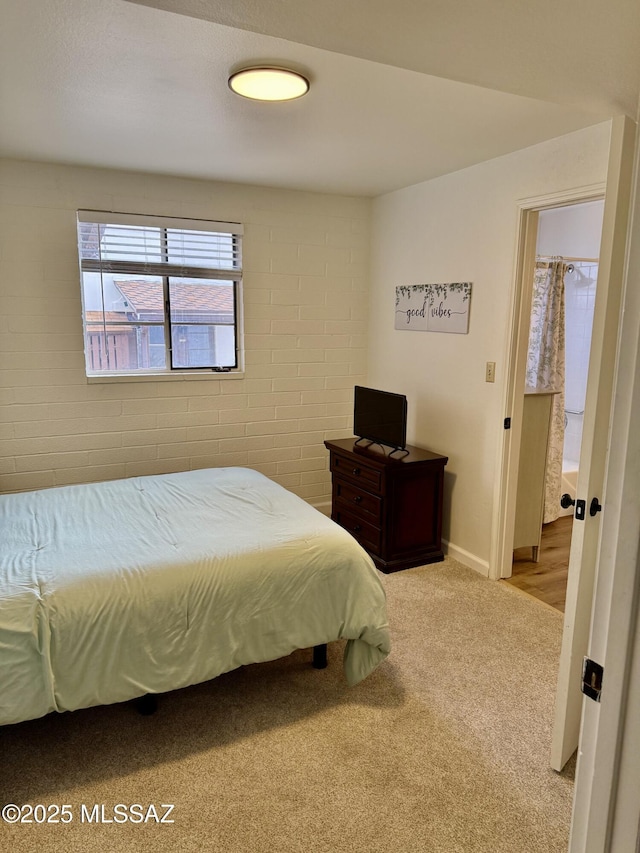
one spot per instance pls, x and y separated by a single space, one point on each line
356 471
357 499
357 528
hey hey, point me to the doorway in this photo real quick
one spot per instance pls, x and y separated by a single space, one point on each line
585 555
571 232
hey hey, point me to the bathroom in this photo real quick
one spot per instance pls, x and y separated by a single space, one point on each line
573 233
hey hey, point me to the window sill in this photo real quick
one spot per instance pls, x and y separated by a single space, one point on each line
164 377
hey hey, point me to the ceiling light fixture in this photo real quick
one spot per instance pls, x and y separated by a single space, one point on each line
268 83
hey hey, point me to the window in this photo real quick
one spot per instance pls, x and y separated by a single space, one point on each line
159 295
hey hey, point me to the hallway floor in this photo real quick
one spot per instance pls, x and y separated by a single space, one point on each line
546 579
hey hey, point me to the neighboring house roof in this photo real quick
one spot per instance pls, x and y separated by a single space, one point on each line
96 319
144 296
106 316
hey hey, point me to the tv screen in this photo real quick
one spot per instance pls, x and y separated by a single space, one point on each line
380 416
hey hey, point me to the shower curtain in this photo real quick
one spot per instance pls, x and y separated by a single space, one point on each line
545 367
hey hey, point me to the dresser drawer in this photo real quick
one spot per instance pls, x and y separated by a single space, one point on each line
368 535
371 478
357 501
390 503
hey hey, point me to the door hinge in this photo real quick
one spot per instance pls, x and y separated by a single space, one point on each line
507 423
592 674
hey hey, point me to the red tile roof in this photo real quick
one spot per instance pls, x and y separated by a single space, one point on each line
95 320
147 296
108 316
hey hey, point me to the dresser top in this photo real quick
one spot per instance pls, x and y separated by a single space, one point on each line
383 455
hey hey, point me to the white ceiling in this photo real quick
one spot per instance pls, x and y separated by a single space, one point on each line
121 83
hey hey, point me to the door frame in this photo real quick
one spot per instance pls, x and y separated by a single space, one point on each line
606 812
501 556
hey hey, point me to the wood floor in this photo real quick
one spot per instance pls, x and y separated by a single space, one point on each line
546 579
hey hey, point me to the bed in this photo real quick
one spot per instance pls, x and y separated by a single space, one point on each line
110 591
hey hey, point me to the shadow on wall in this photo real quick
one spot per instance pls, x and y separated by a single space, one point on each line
447 501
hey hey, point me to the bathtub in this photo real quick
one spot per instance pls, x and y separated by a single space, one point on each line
569 482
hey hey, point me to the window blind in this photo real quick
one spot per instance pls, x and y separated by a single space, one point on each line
150 245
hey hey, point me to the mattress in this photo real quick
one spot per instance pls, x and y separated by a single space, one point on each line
112 590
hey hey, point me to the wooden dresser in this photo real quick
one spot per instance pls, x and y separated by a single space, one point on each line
392 504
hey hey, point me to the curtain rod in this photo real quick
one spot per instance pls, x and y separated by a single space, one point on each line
567 258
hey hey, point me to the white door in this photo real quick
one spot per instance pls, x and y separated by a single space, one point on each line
606 815
585 540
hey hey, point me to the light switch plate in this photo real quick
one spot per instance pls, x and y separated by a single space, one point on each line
491 372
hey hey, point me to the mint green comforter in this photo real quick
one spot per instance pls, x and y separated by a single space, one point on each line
112 590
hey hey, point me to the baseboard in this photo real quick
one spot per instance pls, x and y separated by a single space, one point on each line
467 559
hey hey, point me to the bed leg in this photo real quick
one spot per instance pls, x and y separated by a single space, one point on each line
320 656
147 704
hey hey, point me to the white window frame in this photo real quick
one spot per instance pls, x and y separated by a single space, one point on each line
165 270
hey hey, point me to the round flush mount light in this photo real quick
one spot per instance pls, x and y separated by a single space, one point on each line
269 83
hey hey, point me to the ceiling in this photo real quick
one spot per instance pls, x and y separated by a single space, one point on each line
400 93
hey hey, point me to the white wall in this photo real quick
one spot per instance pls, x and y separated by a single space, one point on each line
574 230
463 227
305 296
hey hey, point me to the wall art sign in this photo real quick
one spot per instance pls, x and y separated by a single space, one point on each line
434 307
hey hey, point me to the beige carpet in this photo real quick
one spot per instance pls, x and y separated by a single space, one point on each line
443 749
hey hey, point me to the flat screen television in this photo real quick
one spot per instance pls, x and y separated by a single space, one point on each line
380 417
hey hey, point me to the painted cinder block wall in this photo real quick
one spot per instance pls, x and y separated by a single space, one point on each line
305 318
